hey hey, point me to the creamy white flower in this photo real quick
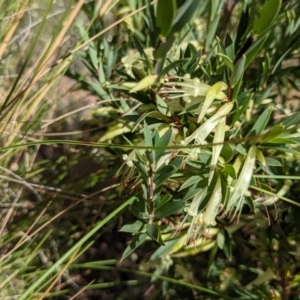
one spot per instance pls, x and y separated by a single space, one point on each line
242 184
213 205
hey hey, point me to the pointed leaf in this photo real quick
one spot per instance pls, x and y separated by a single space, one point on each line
228 62
227 152
168 209
190 181
137 241
148 136
229 170
272 162
238 70
267 15
254 50
154 233
242 104
162 106
185 14
164 200
162 250
133 227
272 133
164 48
165 12
144 83
261 123
294 119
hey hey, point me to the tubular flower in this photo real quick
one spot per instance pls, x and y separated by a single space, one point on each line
212 208
200 134
242 184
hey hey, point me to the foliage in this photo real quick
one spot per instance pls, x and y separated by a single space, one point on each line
193 98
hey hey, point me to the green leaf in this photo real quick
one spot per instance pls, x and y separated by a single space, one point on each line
152 27
139 207
150 154
260 123
193 64
162 250
134 227
229 170
165 12
241 149
238 70
184 15
141 169
266 71
93 55
145 83
195 188
236 89
224 243
171 66
294 119
164 48
141 96
272 162
138 73
162 106
166 171
227 152
254 50
98 89
162 142
242 104
282 140
168 209
272 133
229 47
228 62
213 21
147 134
137 241
190 181
154 233
164 200
267 15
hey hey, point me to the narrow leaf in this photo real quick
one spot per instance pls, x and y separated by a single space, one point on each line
228 62
144 83
294 119
261 123
162 106
267 15
147 134
168 209
185 14
165 13
137 241
164 48
238 70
